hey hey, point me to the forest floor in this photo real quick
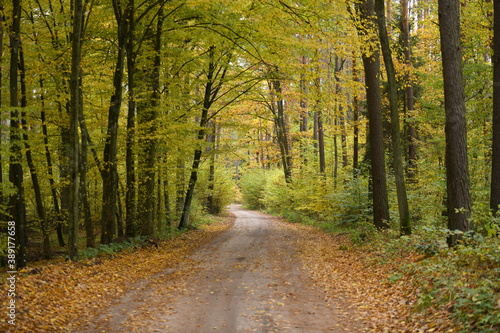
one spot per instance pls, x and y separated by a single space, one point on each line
251 273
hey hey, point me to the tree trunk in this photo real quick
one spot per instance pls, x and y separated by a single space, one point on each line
109 172
3 215
495 163
457 171
397 159
355 107
75 112
371 65
50 171
16 200
130 158
211 138
212 88
85 203
278 110
40 209
412 137
147 114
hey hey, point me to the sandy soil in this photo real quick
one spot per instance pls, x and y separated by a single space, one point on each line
249 279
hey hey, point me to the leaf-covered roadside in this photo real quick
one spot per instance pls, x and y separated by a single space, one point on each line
398 289
59 297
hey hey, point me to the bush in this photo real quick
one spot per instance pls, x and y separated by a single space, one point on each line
252 184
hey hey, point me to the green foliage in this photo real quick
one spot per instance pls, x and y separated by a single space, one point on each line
252 184
224 188
113 248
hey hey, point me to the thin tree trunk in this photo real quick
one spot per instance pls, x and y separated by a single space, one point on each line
31 165
184 222
211 205
50 171
355 107
131 193
457 170
397 159
495 163
278 109
412 146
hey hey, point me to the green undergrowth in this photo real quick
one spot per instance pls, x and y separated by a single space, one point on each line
461 284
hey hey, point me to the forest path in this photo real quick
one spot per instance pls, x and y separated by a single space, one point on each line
249 279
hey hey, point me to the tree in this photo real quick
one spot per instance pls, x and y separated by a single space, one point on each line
16 201
371 65
397 156
109 172
75 112
495 147
457 171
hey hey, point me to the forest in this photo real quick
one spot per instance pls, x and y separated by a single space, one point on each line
125 123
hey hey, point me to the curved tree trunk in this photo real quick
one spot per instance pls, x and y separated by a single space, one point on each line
397 156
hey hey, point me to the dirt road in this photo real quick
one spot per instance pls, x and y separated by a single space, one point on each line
249 279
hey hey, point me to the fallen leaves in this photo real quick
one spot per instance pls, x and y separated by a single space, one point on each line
60 297
353 276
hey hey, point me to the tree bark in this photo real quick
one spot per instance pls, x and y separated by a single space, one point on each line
371 65
50 172
278 110
457 171
410 100
16 200
355 107
40 209
147 114
130 157
397 156
109 172
75 112
495 162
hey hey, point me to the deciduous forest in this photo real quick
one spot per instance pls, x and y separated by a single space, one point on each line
129 126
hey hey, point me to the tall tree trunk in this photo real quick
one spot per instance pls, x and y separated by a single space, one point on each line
50 171
215 80
371 65
31 164
16 200
207 102
320 129
85 202
3 215
397 156
304 114
495 164
278 110
355 107
131 193
212 207
457 170
339 64
412 136
75 112
147 115
109 172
